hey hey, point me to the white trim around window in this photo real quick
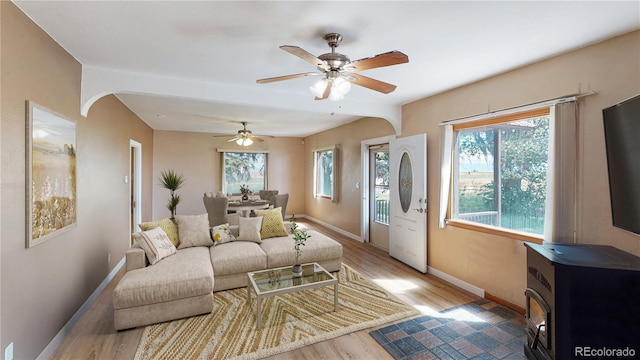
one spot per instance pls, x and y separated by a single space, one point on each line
325 169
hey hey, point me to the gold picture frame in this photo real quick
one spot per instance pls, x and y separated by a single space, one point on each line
50 174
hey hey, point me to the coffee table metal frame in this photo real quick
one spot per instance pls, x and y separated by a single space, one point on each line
313 276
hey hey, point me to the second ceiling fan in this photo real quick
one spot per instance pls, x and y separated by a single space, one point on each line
244 137
339 71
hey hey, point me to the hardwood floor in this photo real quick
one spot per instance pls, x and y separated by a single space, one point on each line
93 336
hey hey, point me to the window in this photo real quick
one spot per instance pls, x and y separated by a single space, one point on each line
244 168
500 171
380 183
324 172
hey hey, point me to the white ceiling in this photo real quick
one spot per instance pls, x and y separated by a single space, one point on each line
193 65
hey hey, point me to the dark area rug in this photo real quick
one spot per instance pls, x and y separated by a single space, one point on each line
478 330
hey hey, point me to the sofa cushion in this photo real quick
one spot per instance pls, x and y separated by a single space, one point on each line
221 234
237 257
272 223
155 244
193 230
319 247
249 229
170 228
186 274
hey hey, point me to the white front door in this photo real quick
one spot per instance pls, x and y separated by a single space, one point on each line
408 196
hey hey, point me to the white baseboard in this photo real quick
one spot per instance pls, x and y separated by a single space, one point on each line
457 282
66 329
431 270
336 229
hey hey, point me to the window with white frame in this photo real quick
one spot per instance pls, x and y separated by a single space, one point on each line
244 168
499 172
324 172
380 183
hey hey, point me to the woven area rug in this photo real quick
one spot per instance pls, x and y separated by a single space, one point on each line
289 322
478 330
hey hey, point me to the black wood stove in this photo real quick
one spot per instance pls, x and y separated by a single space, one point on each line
582 301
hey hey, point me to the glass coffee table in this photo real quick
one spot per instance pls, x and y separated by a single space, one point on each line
272 282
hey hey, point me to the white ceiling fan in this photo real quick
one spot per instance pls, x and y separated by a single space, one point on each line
244 137
339 71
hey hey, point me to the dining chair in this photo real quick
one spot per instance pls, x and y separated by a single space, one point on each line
281 201
268 195
217 211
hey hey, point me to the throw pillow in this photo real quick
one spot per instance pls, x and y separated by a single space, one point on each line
272 223
193 230
249 229
221 234
170 228
155 243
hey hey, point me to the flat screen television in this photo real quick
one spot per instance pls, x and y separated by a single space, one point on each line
622 138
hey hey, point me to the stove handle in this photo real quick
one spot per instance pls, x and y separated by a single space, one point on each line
537 338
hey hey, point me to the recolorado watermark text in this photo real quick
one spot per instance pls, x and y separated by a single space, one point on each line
603 352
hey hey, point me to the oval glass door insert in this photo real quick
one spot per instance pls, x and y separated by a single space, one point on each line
405 184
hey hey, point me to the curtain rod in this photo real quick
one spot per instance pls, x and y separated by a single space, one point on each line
256 151
517 109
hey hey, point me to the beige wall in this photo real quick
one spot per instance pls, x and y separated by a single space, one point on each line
195 156
494 263
1 182
497 264
43 286
346 214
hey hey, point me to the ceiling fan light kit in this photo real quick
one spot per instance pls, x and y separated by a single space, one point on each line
339 71
338 88
244 142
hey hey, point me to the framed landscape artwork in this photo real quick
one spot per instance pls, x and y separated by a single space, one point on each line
51 174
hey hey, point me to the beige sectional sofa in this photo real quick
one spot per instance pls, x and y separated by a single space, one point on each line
184 283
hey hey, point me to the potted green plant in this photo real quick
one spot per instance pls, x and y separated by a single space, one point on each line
299 239
169 179
244 190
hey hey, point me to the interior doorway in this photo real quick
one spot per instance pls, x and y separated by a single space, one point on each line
135 186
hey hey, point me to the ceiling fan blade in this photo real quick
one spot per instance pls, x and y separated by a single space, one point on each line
327 91
370 83
285 77
256 139
234 139
381 60
306 56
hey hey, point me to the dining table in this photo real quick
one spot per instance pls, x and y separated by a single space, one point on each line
244 208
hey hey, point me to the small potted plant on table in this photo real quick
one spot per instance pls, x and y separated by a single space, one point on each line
299 239
244 190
